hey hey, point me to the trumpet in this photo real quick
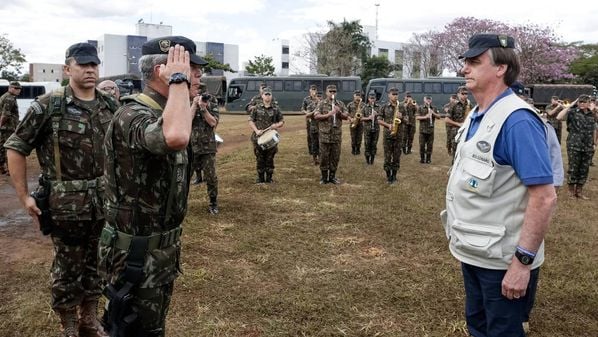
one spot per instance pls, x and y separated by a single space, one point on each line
396 121
431 116
358 116
333 116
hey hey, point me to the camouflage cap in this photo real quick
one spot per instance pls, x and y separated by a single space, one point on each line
372 94
83 53
161 45
267 90
331 87
479 43
461 89
357 92
393 90
407 94
15 84
313 87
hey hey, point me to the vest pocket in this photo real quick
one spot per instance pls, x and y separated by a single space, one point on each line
478 240
478 177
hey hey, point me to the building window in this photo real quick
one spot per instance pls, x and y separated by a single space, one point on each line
285 50
43 70
383 52
52 71
285 65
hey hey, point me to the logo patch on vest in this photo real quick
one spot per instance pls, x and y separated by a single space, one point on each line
483 146
472 184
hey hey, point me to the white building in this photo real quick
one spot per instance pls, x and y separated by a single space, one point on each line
45 72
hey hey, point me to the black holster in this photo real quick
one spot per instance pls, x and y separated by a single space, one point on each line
42 200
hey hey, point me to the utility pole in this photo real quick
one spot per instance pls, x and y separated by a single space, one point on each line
377 6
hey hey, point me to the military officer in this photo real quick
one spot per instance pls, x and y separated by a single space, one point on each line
307 107
409 110
66 128
390 118
445 109
552 110
9 118
147 173
371 129
456 116
427 114
265 116
355 109
330 113
203 142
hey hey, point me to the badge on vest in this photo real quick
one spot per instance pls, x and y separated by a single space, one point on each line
483 146
472 184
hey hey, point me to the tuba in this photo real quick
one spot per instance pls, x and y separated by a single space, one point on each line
358 116
396 121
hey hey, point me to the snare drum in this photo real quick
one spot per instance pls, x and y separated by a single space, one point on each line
268 139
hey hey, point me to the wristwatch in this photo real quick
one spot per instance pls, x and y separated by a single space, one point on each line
524 257
177 78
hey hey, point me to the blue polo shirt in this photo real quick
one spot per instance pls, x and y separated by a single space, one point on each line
521 144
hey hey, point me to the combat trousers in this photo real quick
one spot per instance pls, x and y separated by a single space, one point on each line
450 135
310 139
558 128
426 144
410 133
206 162
264 159
314 149
74 269
392 153
579 166
330 154
4 134
370 138
356 137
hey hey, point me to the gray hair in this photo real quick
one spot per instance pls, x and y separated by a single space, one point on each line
148 62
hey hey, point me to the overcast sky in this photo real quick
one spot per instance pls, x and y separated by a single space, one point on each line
43 29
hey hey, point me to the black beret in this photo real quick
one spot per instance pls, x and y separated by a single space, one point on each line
161 45
479 43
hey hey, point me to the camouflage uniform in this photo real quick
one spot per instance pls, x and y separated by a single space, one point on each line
257 99
9 118
263 117
203 143
147 185
311 125
456 113
331 135
580 126
371 132
392 144
426 134
76 191
556 124
410 110
357 131
447 107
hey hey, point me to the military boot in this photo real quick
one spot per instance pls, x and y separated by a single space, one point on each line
358 149
332 178
324 179
422 159
429 158
213 207
572 191
372 159
268 179
579 193
393 176
89 325
388 179
68 322
260 178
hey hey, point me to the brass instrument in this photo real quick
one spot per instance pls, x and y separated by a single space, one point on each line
396 121
334 115
358 116
374 121
431 115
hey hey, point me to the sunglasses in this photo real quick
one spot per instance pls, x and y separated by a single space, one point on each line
394 94
463 93
268 94
332 91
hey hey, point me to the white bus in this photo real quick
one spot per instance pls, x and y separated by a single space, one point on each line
29 91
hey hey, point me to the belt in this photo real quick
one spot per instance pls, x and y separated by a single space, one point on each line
160 240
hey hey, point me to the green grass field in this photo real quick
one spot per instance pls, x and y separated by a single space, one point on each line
363 258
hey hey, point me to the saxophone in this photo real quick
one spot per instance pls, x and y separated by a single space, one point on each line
358 116
396 121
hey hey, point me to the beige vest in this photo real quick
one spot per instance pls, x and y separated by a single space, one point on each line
485 201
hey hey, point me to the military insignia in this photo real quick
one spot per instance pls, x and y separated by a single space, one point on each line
73 111
483 146
503 40
164 45
472 184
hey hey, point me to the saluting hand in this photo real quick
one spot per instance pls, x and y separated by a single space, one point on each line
177 62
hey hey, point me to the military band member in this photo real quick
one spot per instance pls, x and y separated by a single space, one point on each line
255 100
452 100
66 128
355 109
307 107
456 116
389 117
9 118
427 115
265 116
552 110
371 129
203 141
409 111
329 114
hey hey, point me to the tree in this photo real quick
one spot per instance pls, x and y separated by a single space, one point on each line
262 66
544 57
375 67
586 66
423 55
213 64
342 50
10 57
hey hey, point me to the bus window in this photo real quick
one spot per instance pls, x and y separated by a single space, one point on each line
234 93
348 86
253 85
293 86
450 88
397 85
433 88
276 86
413 87
317 83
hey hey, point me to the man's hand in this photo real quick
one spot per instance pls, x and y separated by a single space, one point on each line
514 284
32 209
177 62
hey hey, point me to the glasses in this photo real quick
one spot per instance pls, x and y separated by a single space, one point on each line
267 94
332 91
394 94
463 93
108 88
